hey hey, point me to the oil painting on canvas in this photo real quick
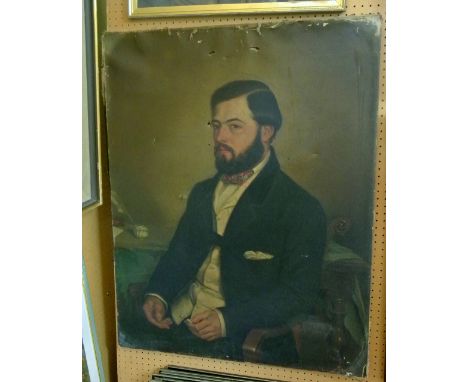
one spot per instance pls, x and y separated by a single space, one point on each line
242 176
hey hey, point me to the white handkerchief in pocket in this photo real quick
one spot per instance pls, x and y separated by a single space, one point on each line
257 255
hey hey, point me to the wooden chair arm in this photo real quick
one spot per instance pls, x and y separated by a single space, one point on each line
251 348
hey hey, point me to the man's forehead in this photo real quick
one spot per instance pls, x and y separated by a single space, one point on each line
232 108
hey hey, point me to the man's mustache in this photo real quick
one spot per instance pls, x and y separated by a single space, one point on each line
223 146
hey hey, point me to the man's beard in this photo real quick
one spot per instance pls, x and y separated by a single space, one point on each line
245 161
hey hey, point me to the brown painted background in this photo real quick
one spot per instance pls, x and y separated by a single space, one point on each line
158 86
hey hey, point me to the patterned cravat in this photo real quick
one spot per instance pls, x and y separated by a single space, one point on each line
237 178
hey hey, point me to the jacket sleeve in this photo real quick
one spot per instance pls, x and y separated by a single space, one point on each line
178 265
299 283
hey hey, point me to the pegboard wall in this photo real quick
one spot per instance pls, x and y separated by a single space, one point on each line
137 365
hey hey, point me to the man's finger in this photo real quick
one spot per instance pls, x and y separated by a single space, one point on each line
159 324
152 316
149 314
207 331
200 316
202 325
155 322
150 310
165 324
159 312
209 337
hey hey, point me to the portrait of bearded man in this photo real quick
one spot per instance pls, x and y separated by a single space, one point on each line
248 250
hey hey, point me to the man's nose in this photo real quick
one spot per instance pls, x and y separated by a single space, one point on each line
222 134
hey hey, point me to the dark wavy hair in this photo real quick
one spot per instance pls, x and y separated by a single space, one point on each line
261 100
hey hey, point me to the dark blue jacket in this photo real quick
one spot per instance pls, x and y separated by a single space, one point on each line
274 216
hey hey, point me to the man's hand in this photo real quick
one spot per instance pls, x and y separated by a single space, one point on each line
155 312
206 325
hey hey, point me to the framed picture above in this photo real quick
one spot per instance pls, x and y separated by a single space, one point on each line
91 177
161 8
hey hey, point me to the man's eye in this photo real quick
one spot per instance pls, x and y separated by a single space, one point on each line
235 127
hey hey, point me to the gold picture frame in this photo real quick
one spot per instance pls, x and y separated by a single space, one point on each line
146 9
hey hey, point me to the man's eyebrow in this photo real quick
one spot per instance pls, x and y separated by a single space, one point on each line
235 120
228 120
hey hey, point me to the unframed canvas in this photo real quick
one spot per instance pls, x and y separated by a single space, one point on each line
270 265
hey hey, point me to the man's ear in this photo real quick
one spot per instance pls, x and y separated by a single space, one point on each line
267 133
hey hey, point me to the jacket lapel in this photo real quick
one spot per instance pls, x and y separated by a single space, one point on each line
248 206
204 206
